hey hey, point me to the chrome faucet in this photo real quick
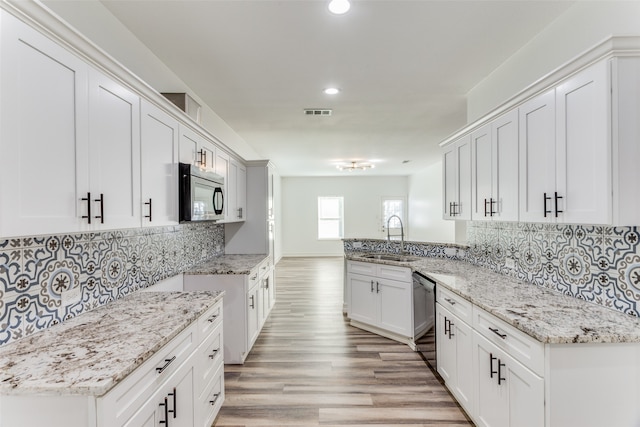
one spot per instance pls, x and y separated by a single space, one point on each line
401 232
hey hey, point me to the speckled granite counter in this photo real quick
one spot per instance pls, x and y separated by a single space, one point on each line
544 314
228 264
91 353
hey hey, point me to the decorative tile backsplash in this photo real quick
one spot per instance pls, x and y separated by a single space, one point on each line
36 273
595 263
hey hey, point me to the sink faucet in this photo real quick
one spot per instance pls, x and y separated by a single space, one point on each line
401 232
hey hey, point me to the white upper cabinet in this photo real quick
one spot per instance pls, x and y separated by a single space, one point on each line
494 173
196 149
44 168
159 166
537 158
236 191
583 146
565 142
457 180
114 153
222 169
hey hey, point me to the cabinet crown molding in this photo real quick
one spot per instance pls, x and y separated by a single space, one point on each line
612 46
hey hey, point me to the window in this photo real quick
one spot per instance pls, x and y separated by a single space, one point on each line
330 218
393 206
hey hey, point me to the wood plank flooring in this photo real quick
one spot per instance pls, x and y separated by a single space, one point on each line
310 368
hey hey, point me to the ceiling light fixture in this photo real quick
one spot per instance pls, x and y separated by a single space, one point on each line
332 91
354 166
339 7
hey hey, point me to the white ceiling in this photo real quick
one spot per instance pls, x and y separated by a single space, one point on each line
404 68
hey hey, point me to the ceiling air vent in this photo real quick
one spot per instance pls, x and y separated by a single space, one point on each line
317 112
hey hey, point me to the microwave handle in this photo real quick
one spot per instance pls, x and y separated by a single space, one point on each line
217 210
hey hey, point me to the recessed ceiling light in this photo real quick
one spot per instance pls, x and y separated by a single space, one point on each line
339 7
332 91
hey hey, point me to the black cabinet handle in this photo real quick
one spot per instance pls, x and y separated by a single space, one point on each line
545 205
174 411
491 359
101 216
252 302
88 200
150 209
500 379
497 332
451 334
372 286
485 207
213 355
239 213
203 157
215 398
491 203
446 326
377 287
556 203
450 301
166 412
167 362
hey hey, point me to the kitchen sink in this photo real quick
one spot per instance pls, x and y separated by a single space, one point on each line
391 257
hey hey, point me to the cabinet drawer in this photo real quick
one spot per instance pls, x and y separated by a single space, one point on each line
263 268
211 399
525 349
210 357
130 394
366 268
209 321
402 274
254 277
455 304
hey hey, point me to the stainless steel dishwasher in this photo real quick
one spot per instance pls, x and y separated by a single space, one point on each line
427 343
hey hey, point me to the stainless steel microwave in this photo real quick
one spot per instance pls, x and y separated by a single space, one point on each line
201 195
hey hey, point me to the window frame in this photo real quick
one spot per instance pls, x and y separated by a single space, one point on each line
340 218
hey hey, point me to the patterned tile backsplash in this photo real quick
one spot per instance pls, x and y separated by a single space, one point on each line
595 263
36 272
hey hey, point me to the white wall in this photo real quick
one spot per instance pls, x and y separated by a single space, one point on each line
96 23
362 210
581 27
425 208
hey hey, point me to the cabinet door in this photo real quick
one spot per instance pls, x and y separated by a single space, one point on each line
196 150
446 345
43 136
504 138
464 388
254 319
114 150
583 146
396 307
449 179
362 306
463 150
482 174
537 157
508 393
241 192
159 173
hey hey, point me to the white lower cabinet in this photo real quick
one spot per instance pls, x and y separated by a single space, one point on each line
179 385
454 338
508 393
380 300
245 308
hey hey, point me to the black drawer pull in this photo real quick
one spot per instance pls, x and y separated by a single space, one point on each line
212 318
166 412
497 332
450 301
213 355
491 359
500 379
166 364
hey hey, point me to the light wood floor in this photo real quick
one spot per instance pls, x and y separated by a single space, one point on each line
310 368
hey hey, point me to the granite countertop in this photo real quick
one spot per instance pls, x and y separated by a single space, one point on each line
544 314
228 264
91 353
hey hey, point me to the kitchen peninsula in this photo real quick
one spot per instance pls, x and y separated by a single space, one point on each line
526 352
